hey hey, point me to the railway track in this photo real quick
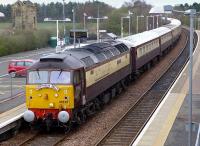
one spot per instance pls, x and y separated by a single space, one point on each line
43 139
126 130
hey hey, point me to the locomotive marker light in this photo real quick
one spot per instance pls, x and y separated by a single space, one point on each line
29 116
63 116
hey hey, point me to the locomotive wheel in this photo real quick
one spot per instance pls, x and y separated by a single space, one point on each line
48 124
67 127
97 104
106 98
81 117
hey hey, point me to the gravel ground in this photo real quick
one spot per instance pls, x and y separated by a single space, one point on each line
89 133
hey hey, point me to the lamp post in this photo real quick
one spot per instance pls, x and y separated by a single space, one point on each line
148 21
157 17
122 25
84 20
137 21
153 22
74 26
129 14
57 29
191 13
64 21
98 19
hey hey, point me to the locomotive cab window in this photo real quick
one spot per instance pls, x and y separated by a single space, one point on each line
62 77
38 77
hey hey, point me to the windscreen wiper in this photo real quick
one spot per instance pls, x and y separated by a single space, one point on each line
38 73
60 73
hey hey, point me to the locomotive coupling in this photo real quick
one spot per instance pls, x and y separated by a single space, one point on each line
63 116
29 116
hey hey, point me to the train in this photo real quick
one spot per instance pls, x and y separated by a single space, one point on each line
65 88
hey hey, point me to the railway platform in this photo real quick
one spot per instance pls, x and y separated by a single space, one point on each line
167 126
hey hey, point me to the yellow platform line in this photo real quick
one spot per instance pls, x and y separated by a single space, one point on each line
168 123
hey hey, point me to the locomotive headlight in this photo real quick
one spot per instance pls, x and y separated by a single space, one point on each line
56 95
63 116
51 105
29 116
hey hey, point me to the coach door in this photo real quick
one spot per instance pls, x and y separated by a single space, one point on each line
79 86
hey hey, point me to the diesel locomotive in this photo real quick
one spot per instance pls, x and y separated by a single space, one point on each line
66 87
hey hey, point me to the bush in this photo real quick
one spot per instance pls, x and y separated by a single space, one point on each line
23 41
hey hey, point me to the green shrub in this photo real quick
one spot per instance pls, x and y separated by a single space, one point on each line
23 41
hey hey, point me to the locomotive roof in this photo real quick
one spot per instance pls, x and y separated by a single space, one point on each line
81 57
55 61
144 37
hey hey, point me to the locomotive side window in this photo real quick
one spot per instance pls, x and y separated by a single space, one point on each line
101 57
62 77
77 77
88 61
38 77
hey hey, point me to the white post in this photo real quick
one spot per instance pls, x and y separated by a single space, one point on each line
64 20
97 29
192 13
74 27
157 20
147 23
137 25
122 28
129 26
153 22
57 31
84 22
57 37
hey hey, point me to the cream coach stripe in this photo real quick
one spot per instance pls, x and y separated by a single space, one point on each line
106 69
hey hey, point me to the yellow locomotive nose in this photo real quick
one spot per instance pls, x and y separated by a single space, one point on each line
48 98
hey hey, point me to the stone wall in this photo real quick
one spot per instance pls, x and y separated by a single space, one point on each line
24 14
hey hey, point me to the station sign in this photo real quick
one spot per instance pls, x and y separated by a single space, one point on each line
79 34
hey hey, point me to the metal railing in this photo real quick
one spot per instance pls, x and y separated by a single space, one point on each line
11 85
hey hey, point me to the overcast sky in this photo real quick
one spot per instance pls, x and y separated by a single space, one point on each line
114 3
